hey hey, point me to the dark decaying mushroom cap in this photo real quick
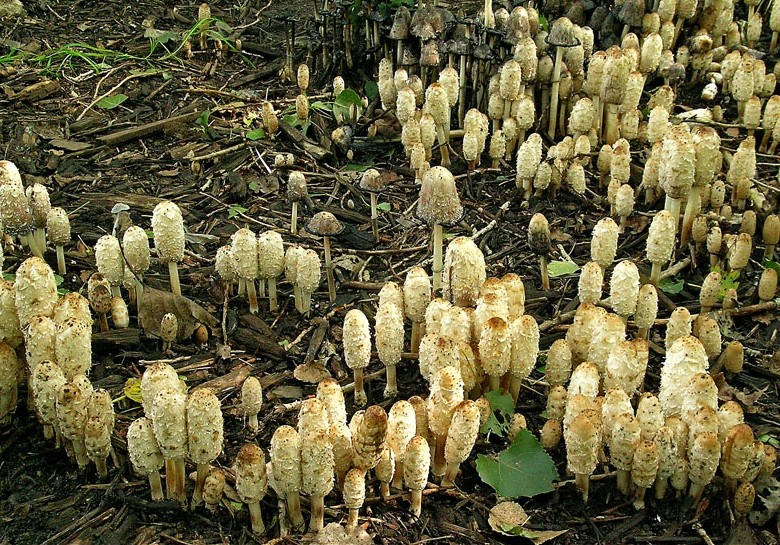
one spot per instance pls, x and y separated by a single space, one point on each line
372 181
400 28
429 54
324 224
632 12
439 200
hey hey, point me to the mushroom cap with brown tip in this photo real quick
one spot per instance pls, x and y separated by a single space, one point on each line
324 224
439 201
372 181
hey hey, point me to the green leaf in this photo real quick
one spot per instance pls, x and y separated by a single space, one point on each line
203 120
345 100
292 120
255 134
132 390
254 186
235 210
543 23
371 89
383 206
518 531
772 265
561 268
111 102
284 343
236 506
769 439
358 167
58 279
10 277
502 407
671 285
321 106
730 280
523 470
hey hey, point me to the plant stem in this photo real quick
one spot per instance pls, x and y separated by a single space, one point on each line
60 260
317 513
556 82
543 270
294 509
374 216
360 392
415 502
294 220
450 473
583 483
256 517
200 480
329 270
156 485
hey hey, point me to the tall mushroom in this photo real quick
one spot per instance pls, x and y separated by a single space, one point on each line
252 482
169 418
168 229
286 462
296 191
58 231
243 248
135 246
145 455
374 183
205 434
325 225
439 205
270 256
562 35
357 349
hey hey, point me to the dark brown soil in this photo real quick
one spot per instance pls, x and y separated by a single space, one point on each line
45 500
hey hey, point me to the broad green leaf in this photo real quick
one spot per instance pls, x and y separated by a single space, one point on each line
383 206
347 98
203 119
561 268
772 265
132 390
543 23
255 134
522 470
671 285
111 102
292 120
254 186
321 106
58 279
358 167
235 210
502 407
371 89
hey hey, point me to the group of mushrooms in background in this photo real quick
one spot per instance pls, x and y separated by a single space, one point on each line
470 332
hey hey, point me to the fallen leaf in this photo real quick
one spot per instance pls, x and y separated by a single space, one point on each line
727 392
560 236
765 318
288 392
507 513
312 372
156 303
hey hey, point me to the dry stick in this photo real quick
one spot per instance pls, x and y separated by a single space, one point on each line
374 217
329 270
141 131
114 88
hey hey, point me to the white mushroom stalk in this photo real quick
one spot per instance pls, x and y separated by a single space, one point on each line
243 248
357 349
58 231
168 229
270 256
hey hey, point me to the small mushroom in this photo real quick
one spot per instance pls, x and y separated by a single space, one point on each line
58 230
252 482
205 435
374 183
169 328
539 239
252 401
99 293
145 455
325 225
357 349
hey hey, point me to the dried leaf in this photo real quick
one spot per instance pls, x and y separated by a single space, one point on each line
559 236
507 513
312 372
156 303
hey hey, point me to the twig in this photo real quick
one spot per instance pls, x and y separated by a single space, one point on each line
114 88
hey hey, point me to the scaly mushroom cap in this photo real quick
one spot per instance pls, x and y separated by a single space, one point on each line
559 363
450 80
308 271
15 212
97 439
417 463
303 77
169 327
270 254
529 155
581 117
510 80
392 293
99 293
603 244
286 459
35 290
464 271
108 256
71 411
650 415
251 480
495 347
446 393
660 238
10 331
562 33
439 201
169 418
590 283
324 224
168 229
372 181
296 186
417 294
354 488
609 332
684 359
135 245
703 458
369 439
251 396
463 431
582 445
142 448
10 370
58 226
73 347
435 352
72 305
699 391
357 339
385 467
389 333
312 416
156 378
9 174
524 333
47 379
626 436
38 197
679 325
624 288
401 427
223 264
204 426
737 451
729 415
646 306
331 395
317 464
39 341
243 248
539 234
433 315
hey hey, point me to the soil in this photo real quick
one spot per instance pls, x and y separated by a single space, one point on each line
54 126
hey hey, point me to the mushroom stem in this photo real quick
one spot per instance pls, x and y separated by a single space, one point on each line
374 216
103 322
514 387
273 303
317 513
260 288
294 220
200 480
384 489
252 422
391 390
251 294
655 274
773 44
415 502
543 270
241 287
417 328
256 517
462 91
661 485
102 468
494 383
439 462
443 147
170 479
556 82
694 202
360 392
611 124
624 481
352 518
294 509
80 451
695 492
582 481
284 527
672 205
398 475
60 259
450 473
298 298
155 483
329 269
180 476
438 265
173 272
642 333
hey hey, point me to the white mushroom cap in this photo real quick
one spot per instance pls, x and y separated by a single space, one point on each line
369 438
71 411
463 431
135 245
58 226
169 418
108 256
38 197
223 264
357 339
157 377
35 288
9 377
286 458
270 255
243 248
401 427
495 347
603 244
332 396
73 347
392 293
251 480
524 333
72 305
439 201
169 327
464 271
251 396
684 359
417 463
624 288
47 378
312 416
204 426
39 341
317 464
389 333
417 294
660 237
590 283
142 448
168 228
10 331
308 272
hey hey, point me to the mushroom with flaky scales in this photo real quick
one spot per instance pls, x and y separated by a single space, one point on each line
417 295
168 229
373 182
416 467
317 466
9 378
270 255
251 401
73 347
99 294
243 249
145 455
71 406
357 349
252 482
135 246
325 225
461 436
401 427
204 435
58 231
286 462
47 378
169 419
35 290
389 340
